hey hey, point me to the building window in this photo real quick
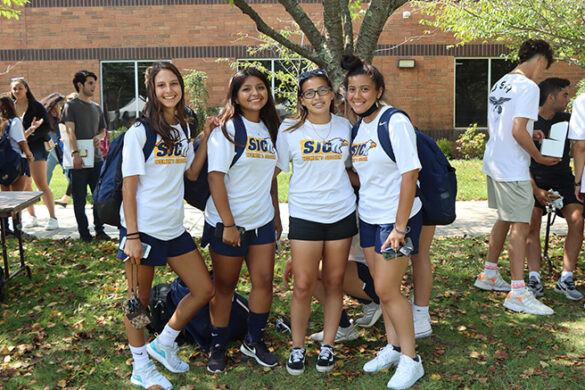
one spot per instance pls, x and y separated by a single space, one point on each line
283 77
123 91
473 80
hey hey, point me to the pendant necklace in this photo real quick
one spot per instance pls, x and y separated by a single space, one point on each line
317 134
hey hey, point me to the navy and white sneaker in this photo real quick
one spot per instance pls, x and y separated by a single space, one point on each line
296 361
535 285
260 352
325 361
216 360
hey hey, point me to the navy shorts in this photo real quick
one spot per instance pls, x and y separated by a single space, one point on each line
25 166
375 235
365 276
263 235
160 250
301 229
38 151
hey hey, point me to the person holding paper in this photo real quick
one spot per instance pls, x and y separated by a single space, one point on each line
554 97
86 127
513 108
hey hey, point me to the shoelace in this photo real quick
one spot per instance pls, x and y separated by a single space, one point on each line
325 353
570 284
296 355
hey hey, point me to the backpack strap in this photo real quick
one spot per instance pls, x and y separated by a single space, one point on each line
355 128
151 138
240 138
384 134
7 129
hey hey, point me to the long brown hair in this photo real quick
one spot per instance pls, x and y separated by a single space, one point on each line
153 110
302 112
7 111
268 113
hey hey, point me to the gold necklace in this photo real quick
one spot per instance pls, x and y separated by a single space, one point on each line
317 134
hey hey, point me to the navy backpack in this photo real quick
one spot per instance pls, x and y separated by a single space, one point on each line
108 193
197 192
437 179
10 164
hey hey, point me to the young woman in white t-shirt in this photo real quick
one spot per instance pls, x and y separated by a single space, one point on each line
152 213
389 211
321 208
241 216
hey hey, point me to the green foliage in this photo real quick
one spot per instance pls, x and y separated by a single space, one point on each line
471 144
9 9
445 145
198 95
512 22
580 90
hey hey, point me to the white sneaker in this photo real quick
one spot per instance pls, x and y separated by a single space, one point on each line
31 222
372 312
407 373
148 376
53 224
525 302
167 356
422 325
387 357
342 334
496 283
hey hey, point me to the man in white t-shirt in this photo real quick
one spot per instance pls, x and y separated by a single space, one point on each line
577 132
513 108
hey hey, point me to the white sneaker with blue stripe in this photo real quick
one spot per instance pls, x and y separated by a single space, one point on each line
148 376
167 356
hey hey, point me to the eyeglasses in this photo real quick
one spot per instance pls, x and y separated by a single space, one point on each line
315 72
310 93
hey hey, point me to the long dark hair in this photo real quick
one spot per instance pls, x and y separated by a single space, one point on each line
29 94
356 66
51 101
302 112
7 111
268 113
153 110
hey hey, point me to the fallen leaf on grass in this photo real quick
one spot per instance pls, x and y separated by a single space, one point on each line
501 354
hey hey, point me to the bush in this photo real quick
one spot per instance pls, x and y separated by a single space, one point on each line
471 144
445 145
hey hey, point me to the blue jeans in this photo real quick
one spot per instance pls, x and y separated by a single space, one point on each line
80 179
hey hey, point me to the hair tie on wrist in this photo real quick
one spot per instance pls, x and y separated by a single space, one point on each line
226 226
402 232
132 238
132 234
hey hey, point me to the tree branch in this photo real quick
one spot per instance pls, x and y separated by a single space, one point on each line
304 22
10 67
347 26
333 30
372 26
267 30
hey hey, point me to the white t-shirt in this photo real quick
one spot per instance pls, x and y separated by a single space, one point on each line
248 182
577 124
380 177
319 190
160 190
16 135
513 96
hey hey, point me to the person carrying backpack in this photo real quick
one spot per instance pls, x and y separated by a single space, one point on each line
389 212
152 214
241 217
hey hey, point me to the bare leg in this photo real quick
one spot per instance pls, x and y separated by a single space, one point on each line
573 213
136 337
533 251
497 239
517 249
260 261
38 170
226 271
422 272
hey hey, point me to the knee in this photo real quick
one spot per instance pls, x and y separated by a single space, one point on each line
387 294
333 282
144 297
223 288
576 222
262 282
303 288
208 292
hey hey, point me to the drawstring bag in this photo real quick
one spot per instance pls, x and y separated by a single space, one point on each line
135 311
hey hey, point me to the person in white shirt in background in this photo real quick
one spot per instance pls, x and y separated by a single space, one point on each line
513 109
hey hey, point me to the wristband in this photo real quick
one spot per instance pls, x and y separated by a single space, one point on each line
230 226
577 184
132 234
75 151
402 232
132 238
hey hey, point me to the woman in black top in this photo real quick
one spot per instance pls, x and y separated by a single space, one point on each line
35 121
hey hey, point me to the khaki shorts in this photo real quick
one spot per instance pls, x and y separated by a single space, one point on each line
513 199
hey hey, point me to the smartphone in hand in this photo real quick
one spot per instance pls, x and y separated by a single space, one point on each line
219 230
404 250
145 248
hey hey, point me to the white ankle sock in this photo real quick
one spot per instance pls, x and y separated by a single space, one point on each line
491 269
139 355
168 336
420 309
566 274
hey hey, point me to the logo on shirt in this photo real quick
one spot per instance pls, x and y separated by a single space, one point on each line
175 155
260 148
359 152
322 150
498 103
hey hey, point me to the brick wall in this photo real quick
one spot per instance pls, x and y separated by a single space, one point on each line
426 91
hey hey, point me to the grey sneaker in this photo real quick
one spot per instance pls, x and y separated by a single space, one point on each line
535 286
342 334
372 312
568 288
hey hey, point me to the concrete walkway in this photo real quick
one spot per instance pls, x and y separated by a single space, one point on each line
473 218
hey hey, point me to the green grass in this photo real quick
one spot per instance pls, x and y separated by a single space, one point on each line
63 329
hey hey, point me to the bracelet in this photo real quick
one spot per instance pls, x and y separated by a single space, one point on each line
132 234
402 232
225 226
132 238
75 151
577 184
